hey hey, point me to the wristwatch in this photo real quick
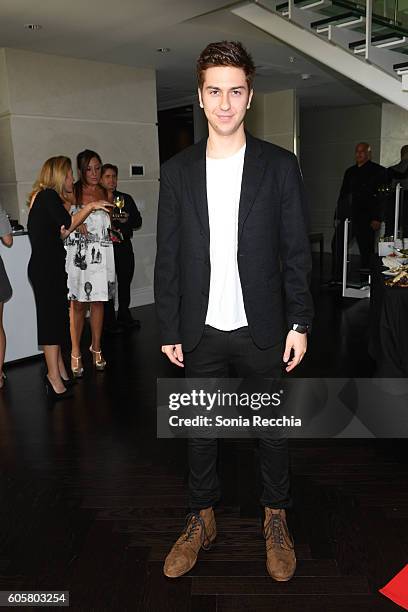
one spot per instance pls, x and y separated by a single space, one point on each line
301 329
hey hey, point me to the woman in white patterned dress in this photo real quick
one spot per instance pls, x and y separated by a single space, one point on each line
90 263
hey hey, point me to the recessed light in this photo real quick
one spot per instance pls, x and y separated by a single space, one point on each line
292 59
305 76
33 26
163 50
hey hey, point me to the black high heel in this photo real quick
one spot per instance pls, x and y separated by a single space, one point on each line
68 382
52 394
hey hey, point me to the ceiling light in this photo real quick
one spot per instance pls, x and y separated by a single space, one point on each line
292 59
305 76
163 50
33 26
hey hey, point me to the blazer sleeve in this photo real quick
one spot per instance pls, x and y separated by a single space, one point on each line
295 250
167 269
346 186
379 196
135 218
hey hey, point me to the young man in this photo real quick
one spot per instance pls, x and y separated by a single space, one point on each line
129 220
231 235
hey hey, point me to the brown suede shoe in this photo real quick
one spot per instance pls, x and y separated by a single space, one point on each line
200 532
280 554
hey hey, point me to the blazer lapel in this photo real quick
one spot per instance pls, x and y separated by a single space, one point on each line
254 168
198 180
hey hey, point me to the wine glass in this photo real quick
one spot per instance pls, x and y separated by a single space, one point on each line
119 202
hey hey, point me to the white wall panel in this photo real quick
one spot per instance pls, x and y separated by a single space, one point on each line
55 86
4 89
35 139
394 133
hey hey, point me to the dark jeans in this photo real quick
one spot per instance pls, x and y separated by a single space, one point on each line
216 351
125 267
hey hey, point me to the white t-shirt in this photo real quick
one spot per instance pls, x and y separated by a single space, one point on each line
225 305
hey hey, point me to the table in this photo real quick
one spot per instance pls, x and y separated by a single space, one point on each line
388 329
19 318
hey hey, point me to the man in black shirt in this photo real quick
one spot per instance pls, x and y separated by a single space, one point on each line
129 220
360 201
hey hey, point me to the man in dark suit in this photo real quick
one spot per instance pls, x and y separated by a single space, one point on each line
359 200
231 237
128 221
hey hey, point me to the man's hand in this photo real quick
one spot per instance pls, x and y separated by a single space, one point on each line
123 217
375 225
297 342
64 232
174 353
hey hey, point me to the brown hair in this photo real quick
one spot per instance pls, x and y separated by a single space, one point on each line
226 53
52 176
106 167
83 159
404 151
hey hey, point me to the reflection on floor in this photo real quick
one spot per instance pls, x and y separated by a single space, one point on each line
91 500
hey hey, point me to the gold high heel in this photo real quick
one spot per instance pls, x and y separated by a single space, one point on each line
77 371
98 361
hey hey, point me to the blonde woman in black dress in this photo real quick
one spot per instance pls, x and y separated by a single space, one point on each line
49 223
5 288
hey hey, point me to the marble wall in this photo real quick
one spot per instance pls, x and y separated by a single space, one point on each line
394 133
273 117
8 192
53 105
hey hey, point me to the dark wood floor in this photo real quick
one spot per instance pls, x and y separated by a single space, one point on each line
91 501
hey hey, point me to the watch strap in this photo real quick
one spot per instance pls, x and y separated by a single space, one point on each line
301 329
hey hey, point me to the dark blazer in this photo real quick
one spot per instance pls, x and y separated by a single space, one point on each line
274 259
